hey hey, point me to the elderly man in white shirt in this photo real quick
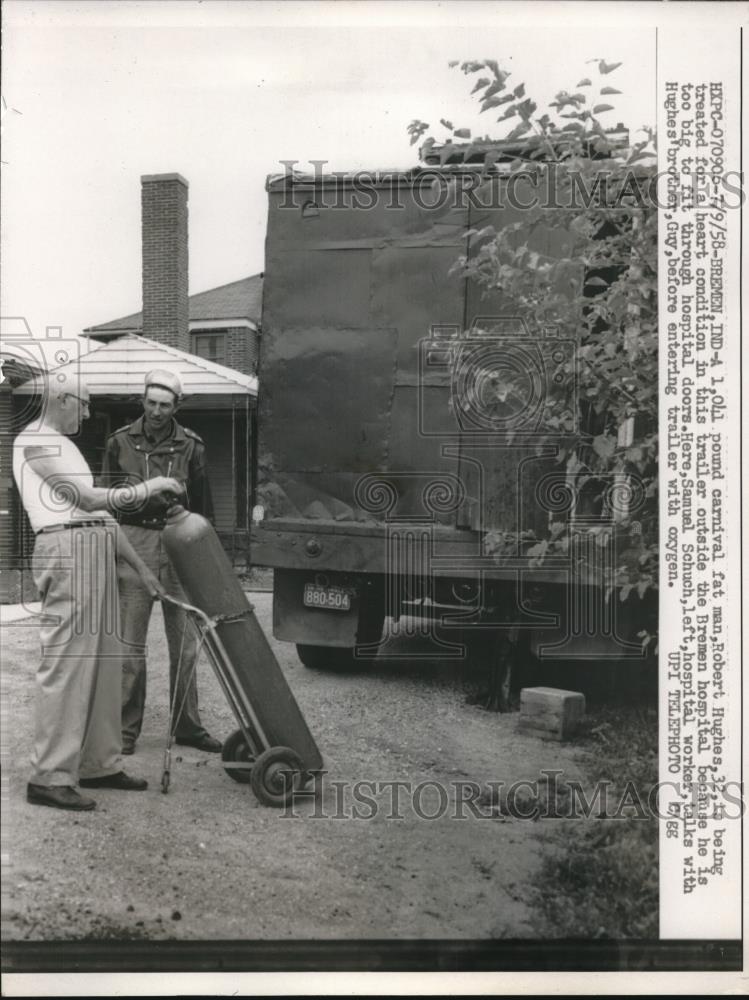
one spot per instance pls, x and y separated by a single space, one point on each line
77 739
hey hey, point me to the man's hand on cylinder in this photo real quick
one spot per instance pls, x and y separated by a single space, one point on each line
165 484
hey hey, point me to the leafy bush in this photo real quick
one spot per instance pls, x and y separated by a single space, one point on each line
600 291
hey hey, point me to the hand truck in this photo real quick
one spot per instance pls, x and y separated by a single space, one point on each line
272 750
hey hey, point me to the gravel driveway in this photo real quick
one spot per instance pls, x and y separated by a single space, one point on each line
208 862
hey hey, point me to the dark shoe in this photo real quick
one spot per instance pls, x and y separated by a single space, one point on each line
125 782
128 749
205 742
59 797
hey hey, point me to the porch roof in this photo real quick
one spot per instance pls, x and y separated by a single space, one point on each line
118 369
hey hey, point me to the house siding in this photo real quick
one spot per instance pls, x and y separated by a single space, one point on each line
8 529
226 459
16 536
216 435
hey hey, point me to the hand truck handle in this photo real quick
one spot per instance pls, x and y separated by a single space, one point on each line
189 608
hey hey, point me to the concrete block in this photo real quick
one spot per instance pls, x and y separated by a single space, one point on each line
550 713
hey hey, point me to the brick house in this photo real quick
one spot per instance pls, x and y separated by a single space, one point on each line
210 339
223 324
213 330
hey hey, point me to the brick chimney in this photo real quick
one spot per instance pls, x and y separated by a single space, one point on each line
165 262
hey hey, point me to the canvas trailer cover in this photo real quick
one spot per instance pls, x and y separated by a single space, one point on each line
384 446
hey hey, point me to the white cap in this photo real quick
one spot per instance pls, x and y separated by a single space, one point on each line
165 380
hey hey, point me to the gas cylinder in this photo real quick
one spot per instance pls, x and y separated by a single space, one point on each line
210 583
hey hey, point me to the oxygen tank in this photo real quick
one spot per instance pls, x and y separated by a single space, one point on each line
211 585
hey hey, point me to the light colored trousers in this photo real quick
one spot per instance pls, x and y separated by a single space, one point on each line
78 689
136 605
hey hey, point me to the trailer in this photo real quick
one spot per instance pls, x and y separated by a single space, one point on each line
390 448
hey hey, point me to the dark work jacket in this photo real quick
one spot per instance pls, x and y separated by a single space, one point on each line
131 457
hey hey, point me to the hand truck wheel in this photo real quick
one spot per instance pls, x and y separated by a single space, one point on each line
237 751
276 775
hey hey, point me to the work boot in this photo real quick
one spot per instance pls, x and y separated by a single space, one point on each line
58 797
124 782
206 743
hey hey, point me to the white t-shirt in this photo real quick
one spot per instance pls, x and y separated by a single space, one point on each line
44 504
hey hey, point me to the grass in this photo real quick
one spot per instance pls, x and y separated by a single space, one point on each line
602 879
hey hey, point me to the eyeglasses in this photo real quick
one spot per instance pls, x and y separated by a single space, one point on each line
81 400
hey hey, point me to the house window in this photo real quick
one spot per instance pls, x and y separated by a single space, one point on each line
211 346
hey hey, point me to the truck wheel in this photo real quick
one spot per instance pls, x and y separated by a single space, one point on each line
275 776
236 751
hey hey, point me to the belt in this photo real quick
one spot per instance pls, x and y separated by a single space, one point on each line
69 525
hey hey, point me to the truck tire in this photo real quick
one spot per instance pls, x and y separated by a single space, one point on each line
342 657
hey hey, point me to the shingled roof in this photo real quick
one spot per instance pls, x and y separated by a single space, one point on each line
118 369
239 300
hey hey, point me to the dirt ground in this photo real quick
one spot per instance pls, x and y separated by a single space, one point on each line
207 861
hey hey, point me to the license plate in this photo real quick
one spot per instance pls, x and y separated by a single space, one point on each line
329 598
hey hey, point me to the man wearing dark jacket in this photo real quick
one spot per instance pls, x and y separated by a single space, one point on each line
154 445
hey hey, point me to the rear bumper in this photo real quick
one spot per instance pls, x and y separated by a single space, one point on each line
441 574
399 549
